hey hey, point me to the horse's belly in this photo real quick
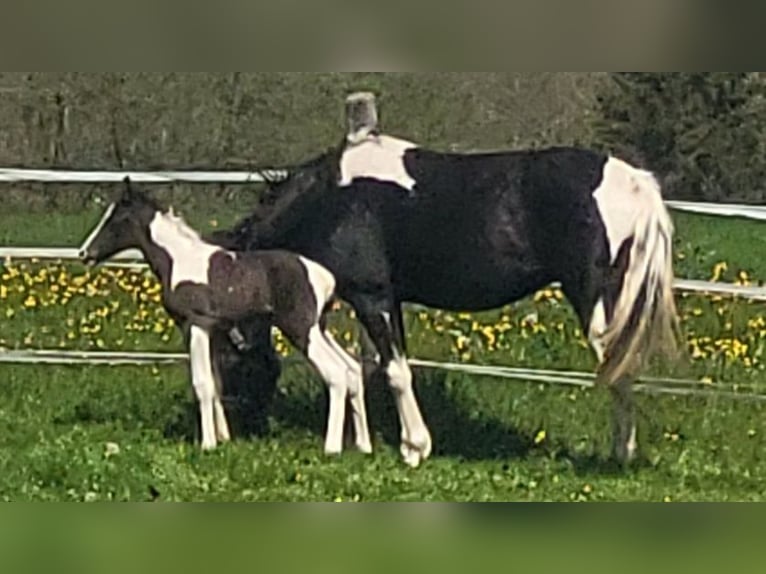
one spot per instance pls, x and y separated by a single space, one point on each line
470 285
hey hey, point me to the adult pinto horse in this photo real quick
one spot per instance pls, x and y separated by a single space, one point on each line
398 224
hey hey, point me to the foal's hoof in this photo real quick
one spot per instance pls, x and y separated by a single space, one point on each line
209 447
364 448
223 436
333 452
416 453
626 452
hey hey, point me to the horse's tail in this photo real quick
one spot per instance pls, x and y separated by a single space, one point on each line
644 318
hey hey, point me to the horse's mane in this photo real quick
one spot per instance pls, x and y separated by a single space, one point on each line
324 165
281 193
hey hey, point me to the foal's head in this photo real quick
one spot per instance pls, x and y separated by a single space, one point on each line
123 226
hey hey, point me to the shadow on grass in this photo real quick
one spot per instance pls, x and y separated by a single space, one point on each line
457 433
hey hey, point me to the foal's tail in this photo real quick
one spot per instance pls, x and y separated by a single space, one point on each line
645 319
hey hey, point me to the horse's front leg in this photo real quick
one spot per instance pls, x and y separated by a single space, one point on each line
222 432
384 326
203 380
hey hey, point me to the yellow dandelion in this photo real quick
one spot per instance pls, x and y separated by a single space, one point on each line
719 270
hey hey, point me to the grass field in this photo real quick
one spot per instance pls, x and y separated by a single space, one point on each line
101 433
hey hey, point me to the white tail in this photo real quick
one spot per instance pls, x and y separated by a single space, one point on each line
645 317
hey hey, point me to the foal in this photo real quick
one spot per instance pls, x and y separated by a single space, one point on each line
206 288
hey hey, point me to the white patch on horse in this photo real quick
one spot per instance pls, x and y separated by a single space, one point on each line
377 157
322 281
107 214
598 327
621 201
189 253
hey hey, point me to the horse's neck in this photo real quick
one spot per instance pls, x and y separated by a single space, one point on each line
166 241
176 237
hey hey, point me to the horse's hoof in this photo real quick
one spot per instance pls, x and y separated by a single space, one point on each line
412 458
364 448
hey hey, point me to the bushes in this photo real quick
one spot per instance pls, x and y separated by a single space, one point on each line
170 120
704 132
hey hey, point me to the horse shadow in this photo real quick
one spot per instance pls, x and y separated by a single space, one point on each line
457 434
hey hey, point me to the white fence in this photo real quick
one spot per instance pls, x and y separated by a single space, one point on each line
134 259
11 175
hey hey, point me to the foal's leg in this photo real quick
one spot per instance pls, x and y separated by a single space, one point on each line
203 380
355 385
222 432
323 356
385 330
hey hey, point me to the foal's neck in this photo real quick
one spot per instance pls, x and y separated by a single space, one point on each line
169 239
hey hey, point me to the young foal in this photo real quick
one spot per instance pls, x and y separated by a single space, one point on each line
207 288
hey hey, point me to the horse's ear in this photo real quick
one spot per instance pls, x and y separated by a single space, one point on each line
128 192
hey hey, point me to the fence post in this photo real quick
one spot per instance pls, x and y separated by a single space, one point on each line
361 116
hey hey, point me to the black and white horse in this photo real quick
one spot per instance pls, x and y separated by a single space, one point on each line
207 289
399 224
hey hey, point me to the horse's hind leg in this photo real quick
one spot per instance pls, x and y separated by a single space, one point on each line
625 439
321 354
222 432
591 301
355 384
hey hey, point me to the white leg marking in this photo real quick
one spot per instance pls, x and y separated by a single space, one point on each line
324 358
222 432
598 327
633 443
204 384
625 432
355 385
416 439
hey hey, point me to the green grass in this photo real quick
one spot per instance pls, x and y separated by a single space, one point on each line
103 433
68 229
706 241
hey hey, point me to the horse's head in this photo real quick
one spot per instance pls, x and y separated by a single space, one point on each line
316 174
120 226
282 191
